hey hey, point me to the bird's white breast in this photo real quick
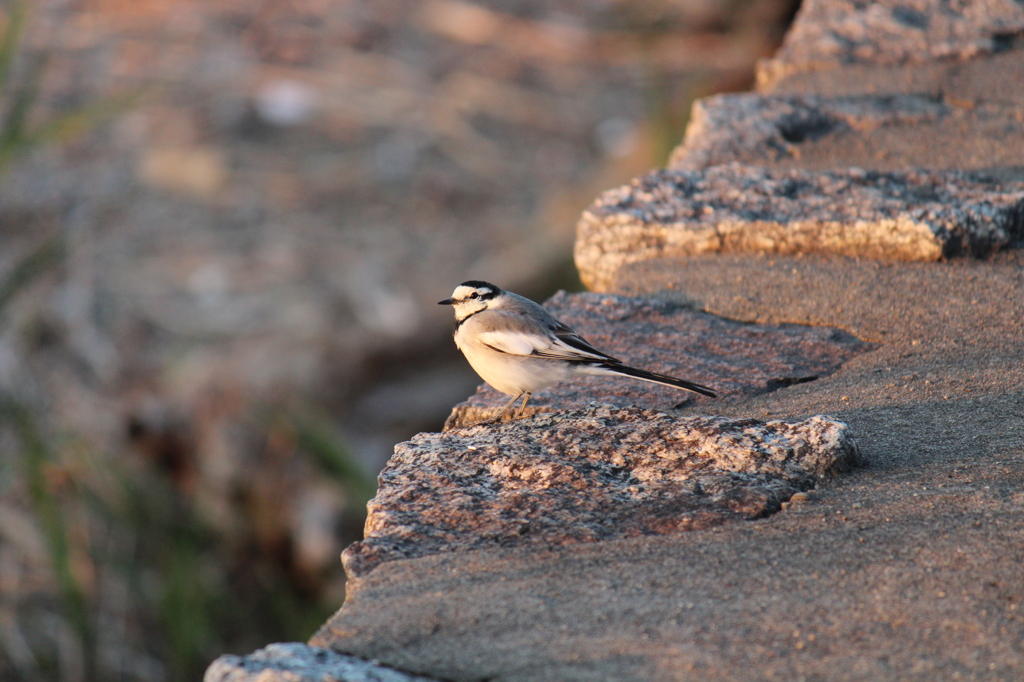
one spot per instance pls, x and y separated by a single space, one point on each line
513 372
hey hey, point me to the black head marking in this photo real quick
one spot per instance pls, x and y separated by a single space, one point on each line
486 289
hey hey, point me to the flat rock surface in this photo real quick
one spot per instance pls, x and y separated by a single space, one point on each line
732 358
913 215
929 39
883 133
597 473
906 569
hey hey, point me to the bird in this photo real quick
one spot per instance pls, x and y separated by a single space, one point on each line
518 347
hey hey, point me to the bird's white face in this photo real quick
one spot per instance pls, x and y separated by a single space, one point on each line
470 298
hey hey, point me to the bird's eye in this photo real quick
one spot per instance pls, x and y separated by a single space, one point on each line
474 295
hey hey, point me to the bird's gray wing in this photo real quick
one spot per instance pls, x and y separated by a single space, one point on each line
544 337
570 338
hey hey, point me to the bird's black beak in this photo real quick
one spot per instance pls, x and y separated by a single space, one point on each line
447 301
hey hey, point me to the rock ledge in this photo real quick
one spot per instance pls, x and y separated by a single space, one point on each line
914 216
597 473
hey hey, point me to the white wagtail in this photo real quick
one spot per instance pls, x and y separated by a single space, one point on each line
518 347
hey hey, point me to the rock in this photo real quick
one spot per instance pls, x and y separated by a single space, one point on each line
957 53
829 34
733 358
913 215
872 132
748 128
295 662
851 582
596 473
928 533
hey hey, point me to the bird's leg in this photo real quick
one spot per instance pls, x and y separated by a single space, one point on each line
509 404
522 408
505 410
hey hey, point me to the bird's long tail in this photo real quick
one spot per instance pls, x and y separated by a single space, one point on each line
657 378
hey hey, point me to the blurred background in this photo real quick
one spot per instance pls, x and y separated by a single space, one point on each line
224 228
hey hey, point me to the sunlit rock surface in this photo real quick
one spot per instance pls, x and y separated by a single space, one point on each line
912 215
733 358
598 473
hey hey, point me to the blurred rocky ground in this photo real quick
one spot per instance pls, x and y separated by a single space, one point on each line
218 277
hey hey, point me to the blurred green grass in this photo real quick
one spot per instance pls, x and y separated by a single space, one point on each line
191 594
124 541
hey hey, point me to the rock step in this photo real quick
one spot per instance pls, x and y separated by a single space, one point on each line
894 46
912 215
598 473
935 131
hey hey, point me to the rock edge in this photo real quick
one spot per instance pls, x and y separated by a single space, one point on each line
911 216
586 475
296 662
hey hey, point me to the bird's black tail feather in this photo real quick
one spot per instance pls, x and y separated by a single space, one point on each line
660 379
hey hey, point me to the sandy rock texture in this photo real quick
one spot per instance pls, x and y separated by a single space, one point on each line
586 475
882 133
830 34
912 215
674 338
295 662
908 568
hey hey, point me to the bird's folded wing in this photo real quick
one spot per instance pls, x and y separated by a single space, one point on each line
537 345
579 344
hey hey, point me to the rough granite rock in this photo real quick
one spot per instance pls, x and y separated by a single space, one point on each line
751 128
295 662
828 34
597 473
747 128
733 358
913 215
872 132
